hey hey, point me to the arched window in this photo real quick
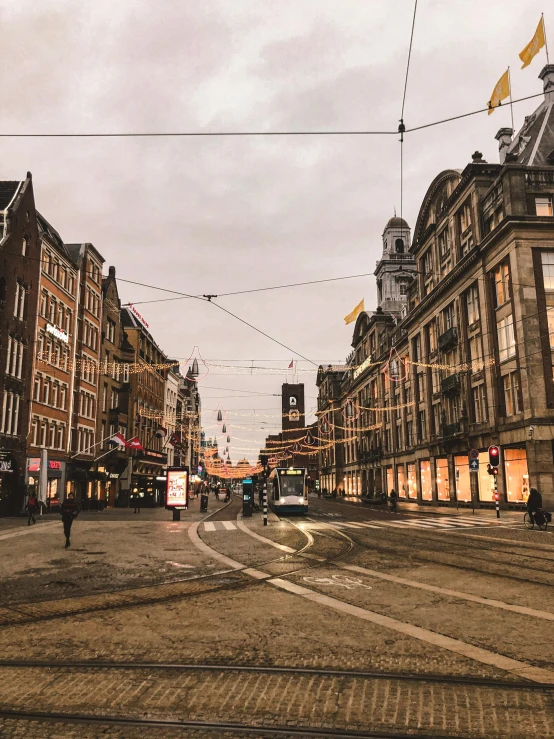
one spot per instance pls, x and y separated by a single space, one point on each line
2 288
399 245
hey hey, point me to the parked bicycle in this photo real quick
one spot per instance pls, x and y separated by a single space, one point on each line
539 518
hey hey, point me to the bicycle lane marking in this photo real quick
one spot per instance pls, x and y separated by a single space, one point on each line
513 666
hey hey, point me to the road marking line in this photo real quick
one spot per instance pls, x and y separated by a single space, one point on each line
47 526
263 539
484 656
546 615
209 526
515 667
229 525
513 542
347 525
370 526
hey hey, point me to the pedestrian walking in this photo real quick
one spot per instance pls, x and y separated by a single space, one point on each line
393 497
534 503
137 503
69 511
32 508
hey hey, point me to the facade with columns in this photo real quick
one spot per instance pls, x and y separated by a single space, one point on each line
464 359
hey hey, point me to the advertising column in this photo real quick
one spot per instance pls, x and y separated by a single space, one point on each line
176 491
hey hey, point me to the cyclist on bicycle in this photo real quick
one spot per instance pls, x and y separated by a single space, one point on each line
534 503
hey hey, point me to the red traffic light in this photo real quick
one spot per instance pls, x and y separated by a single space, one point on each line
494 456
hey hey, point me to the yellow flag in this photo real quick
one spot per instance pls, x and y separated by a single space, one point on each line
534 46
351 317
500 92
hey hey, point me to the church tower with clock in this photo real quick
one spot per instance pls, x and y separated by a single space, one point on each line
294 415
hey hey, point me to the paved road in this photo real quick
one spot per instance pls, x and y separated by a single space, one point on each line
398 598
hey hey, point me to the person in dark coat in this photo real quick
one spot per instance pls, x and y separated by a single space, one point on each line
69 511
32 508
534 503
137 502
393 497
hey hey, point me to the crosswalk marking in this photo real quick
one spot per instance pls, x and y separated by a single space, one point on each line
220 526
229 525
209 526
423 523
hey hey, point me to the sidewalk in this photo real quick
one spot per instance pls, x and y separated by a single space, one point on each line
405 507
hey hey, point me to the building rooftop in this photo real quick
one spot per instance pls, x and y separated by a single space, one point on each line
8 190
396 222
533 145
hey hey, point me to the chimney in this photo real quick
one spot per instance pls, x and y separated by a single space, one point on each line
547 76
504 138
111 271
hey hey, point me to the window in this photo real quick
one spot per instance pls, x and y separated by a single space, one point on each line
448 317
70 283
55 389
63 395
480 403
24 246
19 306
476 353
46 262
517 475
34 431
506 338
465 216
43 304
399 245
432 332
36 388
61 314
425 475
444 244
502 284
416 349
463 481
543 206
46 390
110 331
68 322
422 425
105 398
10 414
511 393
441 476
114 399
61 437
464 224
472 304
550 315
547 258
62 275
52 311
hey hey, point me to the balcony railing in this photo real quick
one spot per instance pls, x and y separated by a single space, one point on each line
451 385
448 430
449 339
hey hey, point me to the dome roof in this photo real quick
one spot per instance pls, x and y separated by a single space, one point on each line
396 222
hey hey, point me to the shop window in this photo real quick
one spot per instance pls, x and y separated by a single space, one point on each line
550 316
443 482
463 479
517 475
425 475
412 483
390 480
401 476
486 481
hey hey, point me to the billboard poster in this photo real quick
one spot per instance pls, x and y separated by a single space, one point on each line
176 490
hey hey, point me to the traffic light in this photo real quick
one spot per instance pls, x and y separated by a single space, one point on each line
494 457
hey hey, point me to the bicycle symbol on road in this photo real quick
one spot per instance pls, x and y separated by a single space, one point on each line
340 581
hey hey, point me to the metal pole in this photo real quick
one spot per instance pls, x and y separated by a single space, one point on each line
496 501
265 504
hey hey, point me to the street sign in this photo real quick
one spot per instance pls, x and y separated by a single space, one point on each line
474 465
474 454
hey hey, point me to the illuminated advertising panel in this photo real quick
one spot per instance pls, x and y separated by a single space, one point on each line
176 490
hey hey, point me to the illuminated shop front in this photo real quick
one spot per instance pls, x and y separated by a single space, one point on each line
412 482
402 488
463 479
443 482
486 481
425 476
390 479
516 475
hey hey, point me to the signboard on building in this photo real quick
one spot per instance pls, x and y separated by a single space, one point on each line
135 312
54 465
6 462
57 332
176 490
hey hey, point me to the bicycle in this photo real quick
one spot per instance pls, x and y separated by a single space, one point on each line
540 519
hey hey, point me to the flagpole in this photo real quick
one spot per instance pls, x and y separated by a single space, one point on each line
545 39
511 103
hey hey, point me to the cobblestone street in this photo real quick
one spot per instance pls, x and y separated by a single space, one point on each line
341 627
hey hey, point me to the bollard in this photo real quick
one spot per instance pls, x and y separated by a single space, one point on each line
265 506
496 497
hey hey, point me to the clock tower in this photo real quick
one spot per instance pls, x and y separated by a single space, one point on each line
294 416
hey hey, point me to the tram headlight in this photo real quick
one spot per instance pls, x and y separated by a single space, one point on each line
282 500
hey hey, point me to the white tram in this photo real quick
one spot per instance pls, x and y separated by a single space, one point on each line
287 491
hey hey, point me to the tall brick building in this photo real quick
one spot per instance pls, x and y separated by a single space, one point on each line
19 285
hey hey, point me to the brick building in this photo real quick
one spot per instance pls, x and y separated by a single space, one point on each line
19 284
466 361
114 385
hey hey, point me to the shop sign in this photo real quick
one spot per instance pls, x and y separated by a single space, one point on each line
135 312
6 462
34 464
57 332
362 367
176 490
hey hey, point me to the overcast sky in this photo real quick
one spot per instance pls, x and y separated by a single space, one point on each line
214 215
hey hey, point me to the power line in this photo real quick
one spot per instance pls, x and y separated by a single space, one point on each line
253 290
408 63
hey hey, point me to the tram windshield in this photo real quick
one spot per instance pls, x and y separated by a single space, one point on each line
292 485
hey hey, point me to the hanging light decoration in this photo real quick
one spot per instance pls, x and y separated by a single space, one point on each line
219 415
297 447
194 369
228 438
309 438
224 429
349 408
325 428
